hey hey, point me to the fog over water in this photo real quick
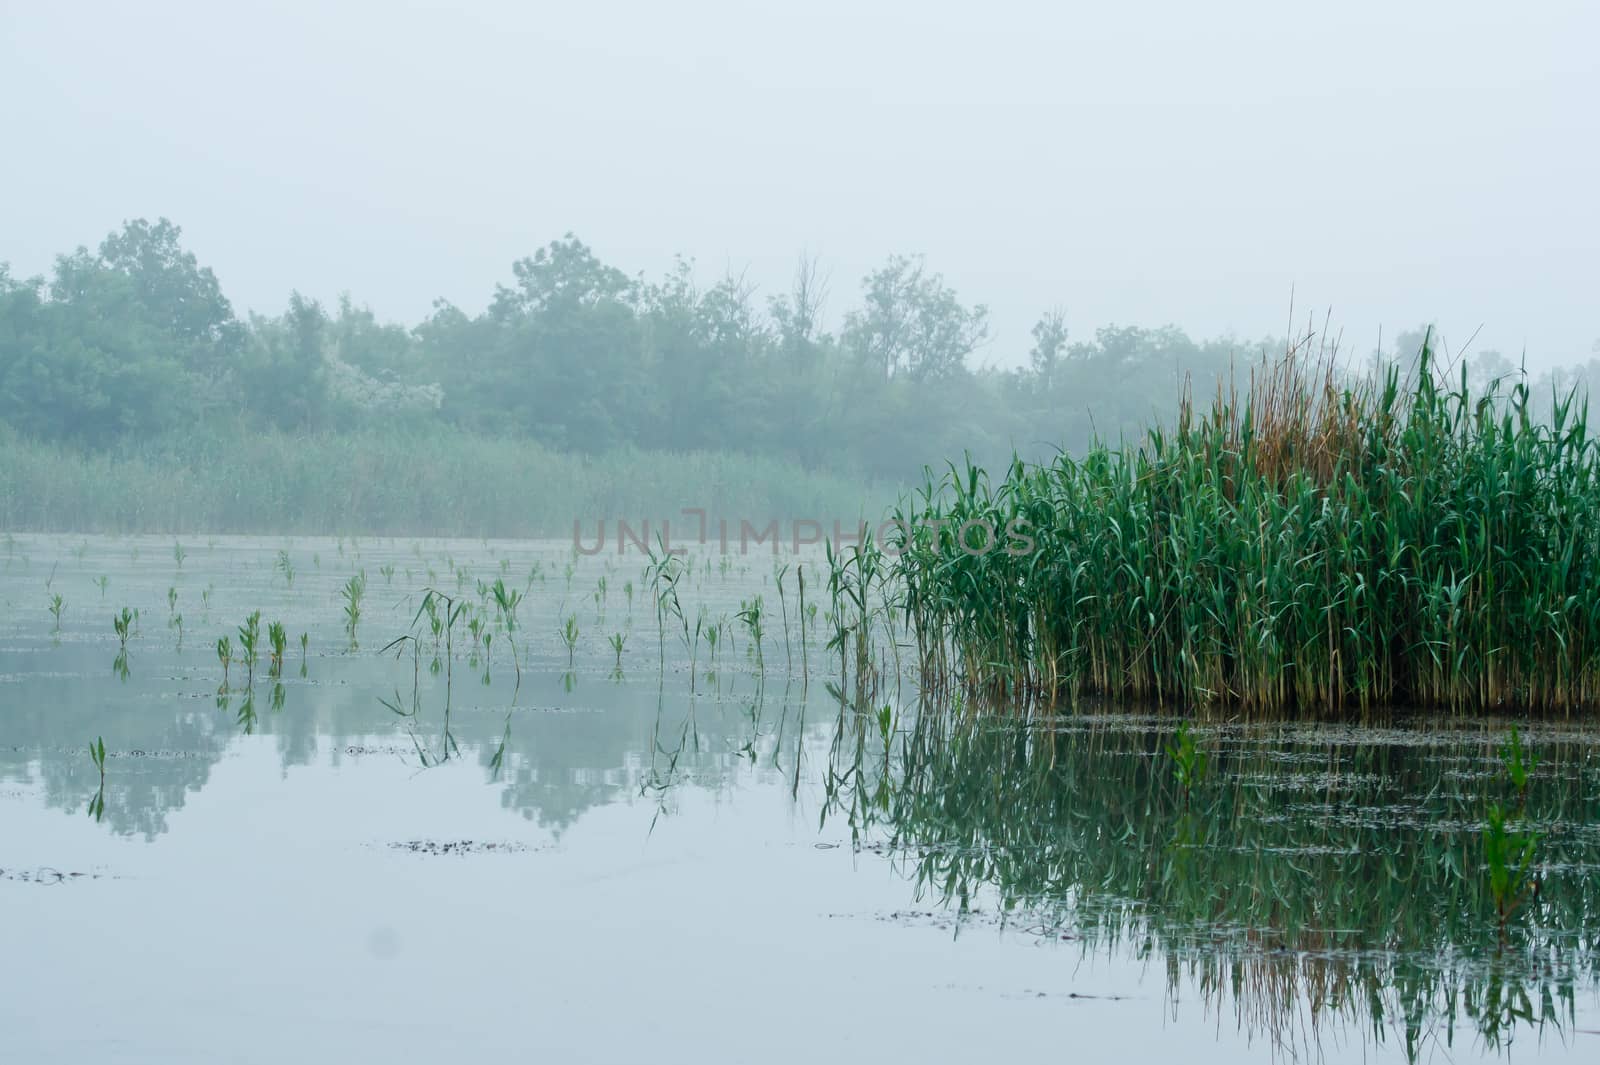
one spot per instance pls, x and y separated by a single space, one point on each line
419 428
1133 164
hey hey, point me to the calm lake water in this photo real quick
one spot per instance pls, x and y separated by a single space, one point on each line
620 858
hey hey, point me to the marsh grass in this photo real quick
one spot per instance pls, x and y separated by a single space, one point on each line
392 483
1315 545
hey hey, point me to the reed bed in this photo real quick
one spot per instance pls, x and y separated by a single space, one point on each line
398 482
1309 544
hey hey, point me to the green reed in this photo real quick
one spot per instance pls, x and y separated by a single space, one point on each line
249 641
434 604
1313 545
122 623
277 641
506 601
1188 760
225 657
569 636
97 755
752 615
353 591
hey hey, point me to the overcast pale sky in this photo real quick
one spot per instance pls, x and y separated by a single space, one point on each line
1135 163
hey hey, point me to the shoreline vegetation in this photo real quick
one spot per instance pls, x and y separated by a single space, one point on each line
131 348
1314 544
389 483
1334 535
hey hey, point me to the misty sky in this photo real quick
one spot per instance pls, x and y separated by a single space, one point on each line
1132 163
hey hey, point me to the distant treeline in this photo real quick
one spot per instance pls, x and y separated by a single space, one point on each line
136 342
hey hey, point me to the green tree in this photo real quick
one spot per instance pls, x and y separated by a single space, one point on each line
913 324
1049 347
282 377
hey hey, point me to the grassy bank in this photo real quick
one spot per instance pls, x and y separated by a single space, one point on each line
394 483
1304 545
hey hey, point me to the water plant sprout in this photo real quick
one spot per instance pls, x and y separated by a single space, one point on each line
569 636
122 623
249 638
224 656
277 640
353 591
97 754
506 601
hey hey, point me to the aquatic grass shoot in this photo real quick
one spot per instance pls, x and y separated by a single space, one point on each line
751 615
1518 764
249 640
506 601
278 640
1188 760
569 636
1509 856
285 566
353 591
225 657
451 609
97 754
